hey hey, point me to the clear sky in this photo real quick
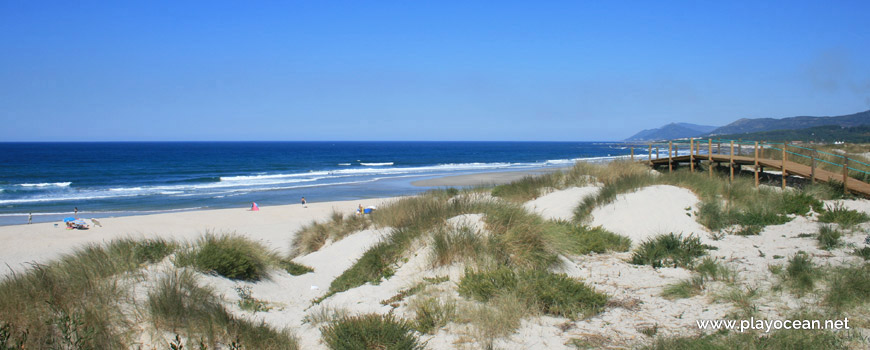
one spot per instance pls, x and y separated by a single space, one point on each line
420 70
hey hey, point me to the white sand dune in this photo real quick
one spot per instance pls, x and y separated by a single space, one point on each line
634 290
559 205
649 212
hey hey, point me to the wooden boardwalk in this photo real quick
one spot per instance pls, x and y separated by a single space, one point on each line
786 167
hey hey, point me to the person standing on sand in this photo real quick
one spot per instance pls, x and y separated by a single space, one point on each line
76 212
304 203
29 218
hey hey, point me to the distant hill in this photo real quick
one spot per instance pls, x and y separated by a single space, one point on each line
794 123
672 131
823 134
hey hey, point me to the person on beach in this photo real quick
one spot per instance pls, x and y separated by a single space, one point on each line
360 210
304 203
29 218
76 212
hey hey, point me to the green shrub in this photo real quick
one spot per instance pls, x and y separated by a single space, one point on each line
848 286
294 268
863 253
525 189
554 294
781 339
799 203
456 244
801 273
838 214
370 332
750 230
580 239
711 269
313 236
152 250
232 256
686 288
829 237
669 250
432 314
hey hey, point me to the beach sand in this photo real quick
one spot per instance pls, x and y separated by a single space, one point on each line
635 290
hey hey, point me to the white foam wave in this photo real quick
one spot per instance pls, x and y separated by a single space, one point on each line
47 184
376 164
344 164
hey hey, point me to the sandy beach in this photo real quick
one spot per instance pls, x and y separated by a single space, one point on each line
481 179
635 290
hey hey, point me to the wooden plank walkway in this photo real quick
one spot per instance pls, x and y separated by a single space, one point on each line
792 168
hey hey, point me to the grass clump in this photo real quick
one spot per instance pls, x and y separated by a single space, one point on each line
456 244
669 250
848 286
801 273
550 293
152 250
527 188
312 237
829 237
432 313
293 268
863 253
75 300
229 255
839 214
247 301
685 288
179 303
370 332
571 238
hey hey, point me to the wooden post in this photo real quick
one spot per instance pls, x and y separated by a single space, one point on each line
845 175
650 154
632 154
692 154
710 156
657 153
670 159
756 164
731 160
719 148
784 172
813 166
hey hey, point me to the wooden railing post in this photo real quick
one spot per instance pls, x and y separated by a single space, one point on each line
692 154
650 154
657 152
784 157
710 156
731 160
756 164
813 166
632 154
845 175
670 159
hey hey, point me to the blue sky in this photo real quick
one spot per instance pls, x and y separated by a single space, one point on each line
413 70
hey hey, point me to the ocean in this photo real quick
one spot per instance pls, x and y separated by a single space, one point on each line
132 178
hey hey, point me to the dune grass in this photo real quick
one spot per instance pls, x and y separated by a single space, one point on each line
839 214
432 313
75 300
229 255
709 269
178 303
550 293
829 237
313 236
847 287
669 250
801 273
371 331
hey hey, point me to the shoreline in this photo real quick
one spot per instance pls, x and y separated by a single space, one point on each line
483 179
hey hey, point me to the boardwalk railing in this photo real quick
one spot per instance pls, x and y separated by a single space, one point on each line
789 158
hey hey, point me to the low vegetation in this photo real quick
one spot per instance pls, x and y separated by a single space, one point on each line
371 331
829 237
179 303
839 214
782 339
848 286
709 269
552 294
801 273
313 236
669 250
229 255
293 268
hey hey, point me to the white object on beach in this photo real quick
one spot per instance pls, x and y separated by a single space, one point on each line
314 288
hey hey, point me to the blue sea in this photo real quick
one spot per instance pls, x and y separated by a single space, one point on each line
130 178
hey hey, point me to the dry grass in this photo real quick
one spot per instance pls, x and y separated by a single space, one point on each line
313 236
